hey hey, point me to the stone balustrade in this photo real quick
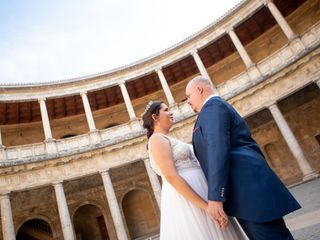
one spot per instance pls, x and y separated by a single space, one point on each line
24 152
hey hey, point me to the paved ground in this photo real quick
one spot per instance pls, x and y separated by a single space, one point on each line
305 223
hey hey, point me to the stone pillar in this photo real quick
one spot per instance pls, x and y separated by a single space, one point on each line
165 87
114 206
3 153
0 138
45 119
199 63
156 187
127 100
50 143
280 19
88 111
64 215
8 232
240 48
292 142
318 82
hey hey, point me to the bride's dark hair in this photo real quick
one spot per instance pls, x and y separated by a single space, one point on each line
153 107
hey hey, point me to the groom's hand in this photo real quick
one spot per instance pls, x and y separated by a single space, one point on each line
217 214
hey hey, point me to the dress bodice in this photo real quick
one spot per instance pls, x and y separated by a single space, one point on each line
182 155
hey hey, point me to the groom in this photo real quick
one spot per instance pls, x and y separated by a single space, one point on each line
240 182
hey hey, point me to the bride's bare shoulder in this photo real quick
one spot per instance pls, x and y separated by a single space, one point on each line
159 138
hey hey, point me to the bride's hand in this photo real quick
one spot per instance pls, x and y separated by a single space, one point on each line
217 214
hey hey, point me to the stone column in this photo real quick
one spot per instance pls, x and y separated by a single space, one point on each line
3 153
64 215
292 142
88 111
156 187
0 138
280 19
200 65
318 82
45 119
240 48
113 206
50 143
165 87
127 100
8 232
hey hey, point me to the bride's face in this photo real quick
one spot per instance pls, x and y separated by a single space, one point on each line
165 118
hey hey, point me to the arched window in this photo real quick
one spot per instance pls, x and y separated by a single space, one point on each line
89 223
35 229
140 214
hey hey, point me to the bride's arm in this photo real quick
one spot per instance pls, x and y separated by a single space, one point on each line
162 154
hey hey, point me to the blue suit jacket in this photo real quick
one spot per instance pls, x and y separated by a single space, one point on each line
235 168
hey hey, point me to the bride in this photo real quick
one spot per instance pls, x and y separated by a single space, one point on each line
184 188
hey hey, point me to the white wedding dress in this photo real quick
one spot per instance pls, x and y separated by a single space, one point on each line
180 219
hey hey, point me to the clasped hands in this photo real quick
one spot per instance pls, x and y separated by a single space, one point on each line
217 214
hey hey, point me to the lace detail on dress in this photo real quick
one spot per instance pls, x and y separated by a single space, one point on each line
183 156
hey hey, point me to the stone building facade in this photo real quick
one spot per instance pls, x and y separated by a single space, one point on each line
73 153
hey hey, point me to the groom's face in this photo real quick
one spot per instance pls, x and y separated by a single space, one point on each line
193 97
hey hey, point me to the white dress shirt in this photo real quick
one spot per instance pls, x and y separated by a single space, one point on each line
208 98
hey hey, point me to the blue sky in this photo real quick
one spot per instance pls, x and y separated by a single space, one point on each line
49 40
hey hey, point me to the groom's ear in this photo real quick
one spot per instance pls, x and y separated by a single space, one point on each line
199 89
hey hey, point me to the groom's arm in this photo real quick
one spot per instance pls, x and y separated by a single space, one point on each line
215 124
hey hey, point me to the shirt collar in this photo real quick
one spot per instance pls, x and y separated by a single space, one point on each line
208 98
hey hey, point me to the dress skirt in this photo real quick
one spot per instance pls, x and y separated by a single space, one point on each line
181 220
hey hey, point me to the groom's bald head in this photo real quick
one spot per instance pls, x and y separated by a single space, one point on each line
199 80
197 91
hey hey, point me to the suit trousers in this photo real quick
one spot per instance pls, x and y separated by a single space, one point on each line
274 230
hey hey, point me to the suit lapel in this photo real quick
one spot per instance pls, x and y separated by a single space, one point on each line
193 143
195 128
